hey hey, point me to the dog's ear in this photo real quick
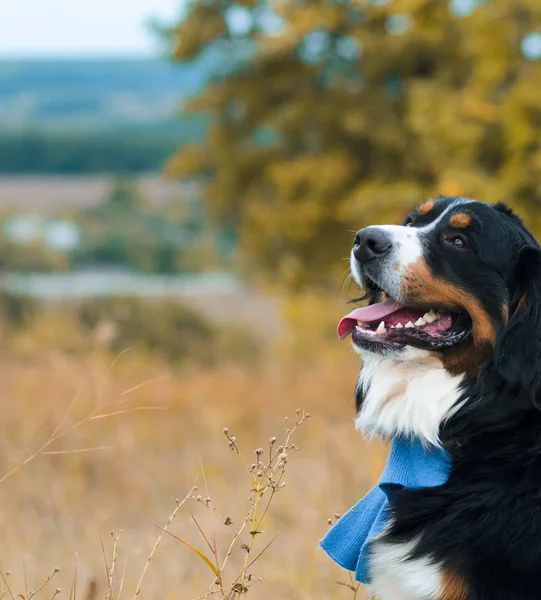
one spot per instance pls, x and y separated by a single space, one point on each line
517 354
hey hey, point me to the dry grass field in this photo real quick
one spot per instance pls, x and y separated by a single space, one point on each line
112 446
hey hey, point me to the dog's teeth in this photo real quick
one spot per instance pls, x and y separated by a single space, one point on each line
392 326
428 317
409 325
381 328
420 322
360 323
435 315
399 326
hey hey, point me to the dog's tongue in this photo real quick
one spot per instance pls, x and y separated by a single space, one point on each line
366 314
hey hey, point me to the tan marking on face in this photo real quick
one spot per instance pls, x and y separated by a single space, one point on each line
454 587
460 220
466 360
426 207
420 285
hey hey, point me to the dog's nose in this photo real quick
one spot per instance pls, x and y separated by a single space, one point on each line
371 243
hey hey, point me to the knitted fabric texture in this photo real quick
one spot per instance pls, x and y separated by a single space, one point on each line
409 465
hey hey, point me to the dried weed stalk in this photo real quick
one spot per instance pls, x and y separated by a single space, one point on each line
179 503
266 478
104 410
351 583
5 589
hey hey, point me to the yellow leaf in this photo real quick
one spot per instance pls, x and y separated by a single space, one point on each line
201 556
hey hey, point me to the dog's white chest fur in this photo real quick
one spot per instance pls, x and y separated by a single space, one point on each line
410 397
407 397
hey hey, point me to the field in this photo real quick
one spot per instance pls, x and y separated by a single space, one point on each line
142 432
48 195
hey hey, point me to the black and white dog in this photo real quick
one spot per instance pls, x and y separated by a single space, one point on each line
451 349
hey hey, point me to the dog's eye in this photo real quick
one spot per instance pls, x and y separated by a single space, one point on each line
409 222
458 241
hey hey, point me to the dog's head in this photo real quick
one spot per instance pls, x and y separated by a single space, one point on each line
458 282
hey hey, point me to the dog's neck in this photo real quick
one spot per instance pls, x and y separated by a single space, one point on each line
406 397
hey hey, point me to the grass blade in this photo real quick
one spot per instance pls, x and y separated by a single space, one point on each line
198 552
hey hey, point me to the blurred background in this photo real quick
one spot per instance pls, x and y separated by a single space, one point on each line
180 181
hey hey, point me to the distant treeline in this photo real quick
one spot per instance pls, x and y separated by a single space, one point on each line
72 152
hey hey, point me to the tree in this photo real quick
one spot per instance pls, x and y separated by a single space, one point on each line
335 114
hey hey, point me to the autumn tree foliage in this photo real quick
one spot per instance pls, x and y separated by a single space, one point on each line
329 115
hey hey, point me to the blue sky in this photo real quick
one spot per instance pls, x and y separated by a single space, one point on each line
81 27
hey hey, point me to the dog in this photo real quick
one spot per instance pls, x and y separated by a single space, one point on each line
451 356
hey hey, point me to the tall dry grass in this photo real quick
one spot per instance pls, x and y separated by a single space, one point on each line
112 452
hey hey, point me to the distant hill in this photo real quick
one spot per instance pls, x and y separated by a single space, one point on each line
83 93
96 116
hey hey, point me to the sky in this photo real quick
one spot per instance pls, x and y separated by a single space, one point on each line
58 28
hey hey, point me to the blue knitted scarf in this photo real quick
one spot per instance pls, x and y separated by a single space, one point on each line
409 465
